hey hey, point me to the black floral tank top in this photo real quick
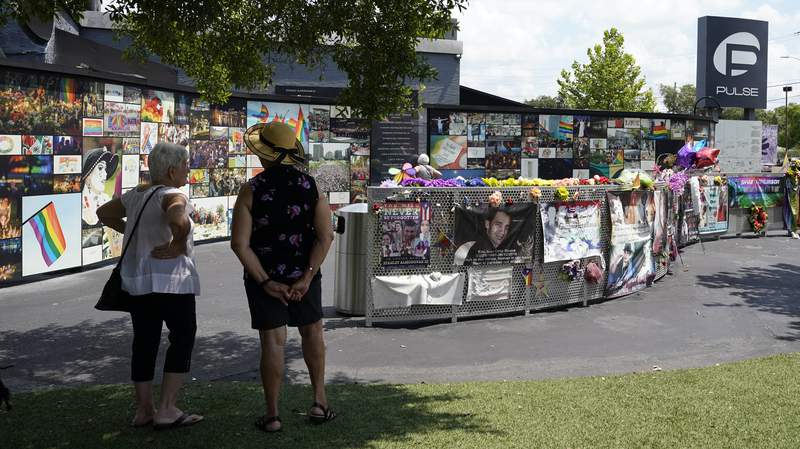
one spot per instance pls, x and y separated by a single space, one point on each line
284 200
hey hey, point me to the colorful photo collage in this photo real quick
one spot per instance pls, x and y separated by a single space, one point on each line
69 145
550 146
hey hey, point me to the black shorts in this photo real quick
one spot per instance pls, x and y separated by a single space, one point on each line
267 312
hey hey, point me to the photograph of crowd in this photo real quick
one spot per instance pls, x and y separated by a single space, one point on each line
225 181
208 154
210 217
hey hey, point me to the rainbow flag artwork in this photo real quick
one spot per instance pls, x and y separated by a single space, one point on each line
68 89
660 132
47 229
301 127
565 128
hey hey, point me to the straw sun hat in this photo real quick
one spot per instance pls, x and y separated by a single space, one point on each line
275 142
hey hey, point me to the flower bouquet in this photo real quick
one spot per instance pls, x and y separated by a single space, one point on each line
758 219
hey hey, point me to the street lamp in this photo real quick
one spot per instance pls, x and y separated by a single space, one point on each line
786 90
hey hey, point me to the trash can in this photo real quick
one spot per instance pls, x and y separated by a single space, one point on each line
350 282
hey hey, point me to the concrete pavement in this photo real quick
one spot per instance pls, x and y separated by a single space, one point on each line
737 301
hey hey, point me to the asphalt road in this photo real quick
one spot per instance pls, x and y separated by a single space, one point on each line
737 301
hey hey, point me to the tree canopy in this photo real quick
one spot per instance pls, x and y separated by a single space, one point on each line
678 100
545 102
235 44
611 80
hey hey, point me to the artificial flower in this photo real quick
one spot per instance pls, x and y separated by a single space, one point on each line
495 199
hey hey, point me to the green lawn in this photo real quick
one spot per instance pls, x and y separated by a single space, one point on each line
750 404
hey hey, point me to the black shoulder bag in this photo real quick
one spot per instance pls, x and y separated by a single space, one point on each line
114 298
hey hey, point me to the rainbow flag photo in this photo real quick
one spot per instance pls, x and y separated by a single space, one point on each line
660 132
47 229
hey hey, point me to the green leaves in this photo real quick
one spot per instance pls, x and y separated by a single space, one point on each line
611 80
224 45
678 100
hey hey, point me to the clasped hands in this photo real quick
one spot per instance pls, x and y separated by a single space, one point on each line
285 293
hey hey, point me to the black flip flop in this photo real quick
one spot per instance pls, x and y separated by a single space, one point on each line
263 421
327 414
182 421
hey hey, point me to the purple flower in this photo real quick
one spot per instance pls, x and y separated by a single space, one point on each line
282 237
295 274
295 239
306 185
280 268
266 197
293 211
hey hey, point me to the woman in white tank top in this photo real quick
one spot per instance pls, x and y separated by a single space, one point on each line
159 271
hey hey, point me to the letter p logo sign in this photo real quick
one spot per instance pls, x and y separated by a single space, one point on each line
736 53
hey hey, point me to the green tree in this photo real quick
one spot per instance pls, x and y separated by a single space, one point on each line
610 80
777 116
678 100
235 44
545 102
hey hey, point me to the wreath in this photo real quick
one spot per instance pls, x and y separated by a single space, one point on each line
758 219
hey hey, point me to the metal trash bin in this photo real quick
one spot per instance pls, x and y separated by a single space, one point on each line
350 282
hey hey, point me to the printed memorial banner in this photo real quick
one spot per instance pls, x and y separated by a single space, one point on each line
571 230
406 235
631 260
711 207
660 231
494 236
769 144
759 190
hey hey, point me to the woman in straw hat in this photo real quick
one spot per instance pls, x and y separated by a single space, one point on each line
281 233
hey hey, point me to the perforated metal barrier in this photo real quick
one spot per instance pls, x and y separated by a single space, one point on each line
547 291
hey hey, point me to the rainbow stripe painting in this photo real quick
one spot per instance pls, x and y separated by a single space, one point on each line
660 132
47 228
565 129
68 88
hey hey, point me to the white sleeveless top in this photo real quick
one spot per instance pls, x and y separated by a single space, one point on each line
141 272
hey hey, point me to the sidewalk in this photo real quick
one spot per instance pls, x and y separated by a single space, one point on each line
738 301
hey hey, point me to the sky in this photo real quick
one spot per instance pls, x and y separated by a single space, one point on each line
517 48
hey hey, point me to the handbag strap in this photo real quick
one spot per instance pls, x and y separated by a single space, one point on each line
136 224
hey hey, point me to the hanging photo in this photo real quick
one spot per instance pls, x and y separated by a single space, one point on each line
10 145
101 178
51 233
449 152
494 235
405 237
114 92
631 265
66 144
121 119
10 258
149 137
210 216
93 127
571 230
158 106
660 222
35 145
710 204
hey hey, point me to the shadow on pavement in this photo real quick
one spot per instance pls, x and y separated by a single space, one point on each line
770 289
99 353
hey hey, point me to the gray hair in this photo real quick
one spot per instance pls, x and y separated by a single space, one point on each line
423 159
164 156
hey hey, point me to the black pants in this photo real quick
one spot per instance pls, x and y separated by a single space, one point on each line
150 311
